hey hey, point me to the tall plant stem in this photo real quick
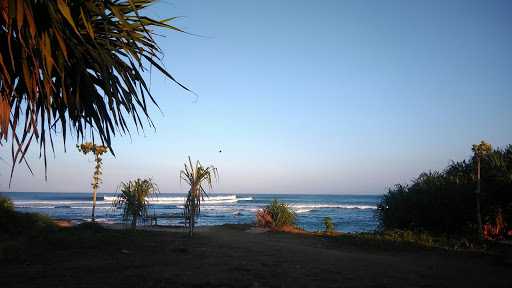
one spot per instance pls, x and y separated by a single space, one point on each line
95 183
477 192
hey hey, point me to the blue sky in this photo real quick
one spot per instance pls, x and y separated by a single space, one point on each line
312 97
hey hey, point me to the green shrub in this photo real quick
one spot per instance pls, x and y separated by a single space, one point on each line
281 213
6 204
444 202
419 238
328 225
13 223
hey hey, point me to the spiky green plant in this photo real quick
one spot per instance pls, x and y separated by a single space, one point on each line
75 65
97 150
133 198
199 178
281 213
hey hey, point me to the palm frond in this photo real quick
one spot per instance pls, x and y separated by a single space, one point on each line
198 178
75 64
133 198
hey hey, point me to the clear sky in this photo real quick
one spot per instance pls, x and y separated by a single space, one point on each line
312 96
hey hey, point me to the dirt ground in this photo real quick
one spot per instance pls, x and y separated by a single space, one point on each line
232 256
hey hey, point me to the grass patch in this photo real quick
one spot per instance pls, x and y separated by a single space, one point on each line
16 224
413 239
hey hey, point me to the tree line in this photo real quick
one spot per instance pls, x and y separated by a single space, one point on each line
469 197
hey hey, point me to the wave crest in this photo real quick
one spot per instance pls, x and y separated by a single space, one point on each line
336 206
181 199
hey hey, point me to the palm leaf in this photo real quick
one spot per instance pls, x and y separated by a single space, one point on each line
133 199
196 176
78 64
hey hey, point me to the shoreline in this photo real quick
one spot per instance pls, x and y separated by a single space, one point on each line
349 213
250 227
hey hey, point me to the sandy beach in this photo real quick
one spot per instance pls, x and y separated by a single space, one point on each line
243 256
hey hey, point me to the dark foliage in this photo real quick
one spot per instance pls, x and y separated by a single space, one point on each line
444 202
75 66
15 224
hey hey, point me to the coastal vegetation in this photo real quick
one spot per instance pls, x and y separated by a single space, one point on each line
17 229
77 65
276 215
16 224
480 151
328 225
97 151
6 204
446 203
199 178
133 199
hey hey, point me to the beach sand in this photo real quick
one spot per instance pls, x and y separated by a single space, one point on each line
241 256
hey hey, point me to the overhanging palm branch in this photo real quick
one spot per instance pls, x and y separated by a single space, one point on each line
199 178
76 64
134 199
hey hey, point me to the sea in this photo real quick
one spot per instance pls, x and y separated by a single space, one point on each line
349 213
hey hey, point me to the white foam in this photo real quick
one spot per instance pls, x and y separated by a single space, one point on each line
90 207
26 206
339 206
50 202
59 207
298 211
182 199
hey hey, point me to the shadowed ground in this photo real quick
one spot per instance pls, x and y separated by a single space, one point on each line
229 256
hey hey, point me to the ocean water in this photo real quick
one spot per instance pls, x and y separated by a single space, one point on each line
350 213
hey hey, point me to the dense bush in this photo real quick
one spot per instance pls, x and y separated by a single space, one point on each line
444 202
276 215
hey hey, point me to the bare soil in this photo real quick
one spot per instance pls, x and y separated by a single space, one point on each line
240 256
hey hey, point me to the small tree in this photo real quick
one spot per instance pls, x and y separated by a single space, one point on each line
97 150
133 199
480 151
329 226
199 178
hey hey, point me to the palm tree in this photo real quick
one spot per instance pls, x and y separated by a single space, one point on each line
97 150
74 65
133 199
199 178
480 150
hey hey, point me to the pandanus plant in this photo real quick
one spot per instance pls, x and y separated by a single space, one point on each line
133 198
199 178
97 151
75 65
